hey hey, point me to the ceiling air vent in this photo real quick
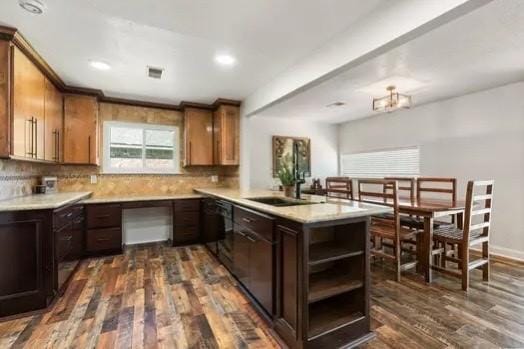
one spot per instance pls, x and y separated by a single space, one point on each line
336 104
155 73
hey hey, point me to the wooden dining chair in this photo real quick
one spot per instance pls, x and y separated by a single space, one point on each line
406 187
339 187
434 188
477 221
387 227
444 188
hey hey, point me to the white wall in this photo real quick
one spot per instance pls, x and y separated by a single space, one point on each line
257 133
476 136
143 225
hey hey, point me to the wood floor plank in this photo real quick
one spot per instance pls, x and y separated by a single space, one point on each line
163 297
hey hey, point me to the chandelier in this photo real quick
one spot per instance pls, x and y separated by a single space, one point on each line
391 102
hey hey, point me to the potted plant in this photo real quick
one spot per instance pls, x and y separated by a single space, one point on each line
288 181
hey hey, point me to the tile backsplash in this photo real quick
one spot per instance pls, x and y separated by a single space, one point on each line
18 177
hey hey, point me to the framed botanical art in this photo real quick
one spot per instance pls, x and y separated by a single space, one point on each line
283 154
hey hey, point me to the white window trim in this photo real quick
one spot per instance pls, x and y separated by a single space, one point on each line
107 169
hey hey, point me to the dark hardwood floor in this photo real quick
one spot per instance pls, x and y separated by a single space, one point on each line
182 298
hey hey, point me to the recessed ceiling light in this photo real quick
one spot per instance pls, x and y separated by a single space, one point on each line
225 59
33 6
100 65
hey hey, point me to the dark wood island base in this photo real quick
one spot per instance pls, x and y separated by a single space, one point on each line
323 283
310 281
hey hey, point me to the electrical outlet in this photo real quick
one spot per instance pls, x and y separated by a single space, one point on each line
94 179
214 179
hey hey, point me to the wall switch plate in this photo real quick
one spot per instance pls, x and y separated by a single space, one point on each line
94 179
214 179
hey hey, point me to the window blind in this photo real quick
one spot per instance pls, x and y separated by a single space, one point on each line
384 163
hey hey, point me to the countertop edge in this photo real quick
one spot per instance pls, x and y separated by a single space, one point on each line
342 216
46 206
108 200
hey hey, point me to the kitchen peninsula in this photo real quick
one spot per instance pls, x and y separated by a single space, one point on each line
304 264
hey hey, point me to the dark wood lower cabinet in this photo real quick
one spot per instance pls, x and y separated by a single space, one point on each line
25 262
288 281
261 271
103 229
186 221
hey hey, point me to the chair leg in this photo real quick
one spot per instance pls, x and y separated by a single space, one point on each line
464 266
460 256
444 255
485 267
398 256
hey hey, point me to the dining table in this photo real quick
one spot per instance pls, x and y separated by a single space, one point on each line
429 209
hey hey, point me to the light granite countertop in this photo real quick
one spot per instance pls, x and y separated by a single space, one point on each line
42 201
111 199
323 209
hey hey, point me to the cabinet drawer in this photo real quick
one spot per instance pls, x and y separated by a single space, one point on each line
104 239
187 205
185 234
104 216
259 223
187 218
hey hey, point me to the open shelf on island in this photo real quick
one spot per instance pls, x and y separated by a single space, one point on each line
331 314
330 283
327 251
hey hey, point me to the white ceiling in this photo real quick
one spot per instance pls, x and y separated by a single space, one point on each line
480 50
181 36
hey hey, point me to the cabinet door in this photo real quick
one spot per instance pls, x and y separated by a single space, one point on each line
226 135
5 124
25 262
287 294
198 131
241 245
28 108
80 130
261 272
53 122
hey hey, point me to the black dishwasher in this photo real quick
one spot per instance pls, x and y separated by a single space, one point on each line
211 225
225 240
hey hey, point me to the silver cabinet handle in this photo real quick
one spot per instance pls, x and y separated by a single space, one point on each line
30 133
35 152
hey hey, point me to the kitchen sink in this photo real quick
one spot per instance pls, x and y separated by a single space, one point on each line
281 202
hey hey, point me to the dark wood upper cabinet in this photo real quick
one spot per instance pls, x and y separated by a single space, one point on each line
198 135
28 96
5 124
80 130
54 122
212 138
226 134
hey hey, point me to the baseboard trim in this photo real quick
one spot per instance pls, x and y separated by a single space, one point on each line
504 253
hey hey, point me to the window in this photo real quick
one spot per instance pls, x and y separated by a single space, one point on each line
384 163
140 148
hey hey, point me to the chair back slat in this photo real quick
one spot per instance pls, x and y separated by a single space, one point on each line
376 190
405 184
437 185
478 205
339 187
